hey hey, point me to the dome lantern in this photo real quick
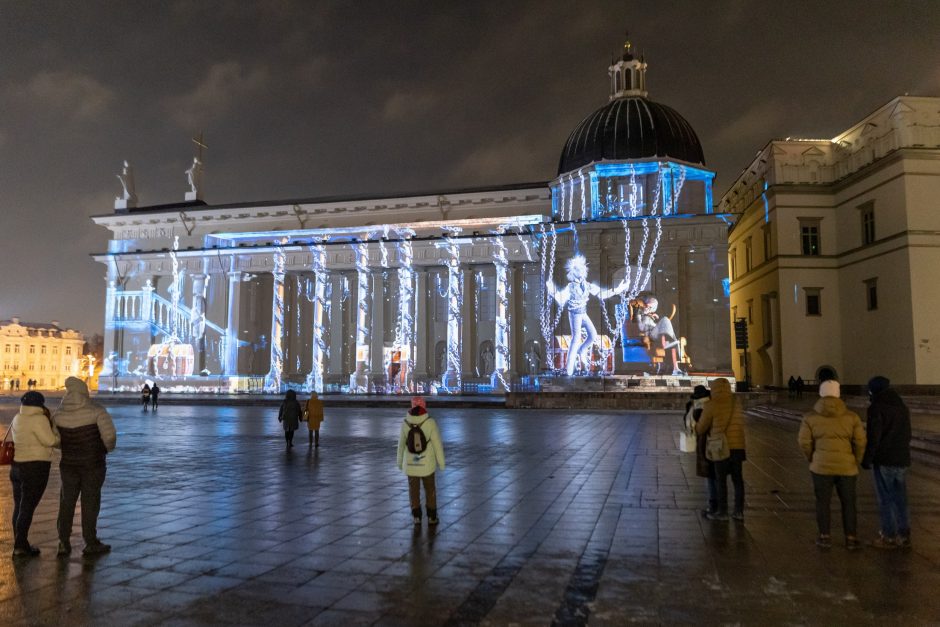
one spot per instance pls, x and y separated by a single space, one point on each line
627 74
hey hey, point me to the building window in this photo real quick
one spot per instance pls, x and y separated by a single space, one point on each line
16 349
7 348
767 242
871 294
809 236
748 258
867 217
813 301
55 350
42 350
32 349
733 262
68 350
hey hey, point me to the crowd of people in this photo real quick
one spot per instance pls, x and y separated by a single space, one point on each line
832 438
835 443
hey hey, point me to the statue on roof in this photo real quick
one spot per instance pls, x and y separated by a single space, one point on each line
194 178
128 198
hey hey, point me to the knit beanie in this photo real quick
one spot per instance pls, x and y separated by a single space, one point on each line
829 388
878 384
33 399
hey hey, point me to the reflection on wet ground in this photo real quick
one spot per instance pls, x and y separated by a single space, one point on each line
588 518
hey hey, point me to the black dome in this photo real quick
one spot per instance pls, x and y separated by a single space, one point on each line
631 128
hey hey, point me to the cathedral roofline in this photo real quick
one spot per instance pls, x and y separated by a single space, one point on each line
201 205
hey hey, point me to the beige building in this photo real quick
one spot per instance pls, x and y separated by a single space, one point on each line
834 254
46 353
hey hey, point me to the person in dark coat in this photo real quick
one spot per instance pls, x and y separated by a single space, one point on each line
791 387
145 396
289 416
888 455
154 396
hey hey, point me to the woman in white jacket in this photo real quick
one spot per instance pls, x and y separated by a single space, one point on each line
34 437
420 452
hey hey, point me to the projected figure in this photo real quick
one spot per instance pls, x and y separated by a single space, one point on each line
658 332
575 296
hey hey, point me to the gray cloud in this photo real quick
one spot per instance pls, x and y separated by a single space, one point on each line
217 93
74 95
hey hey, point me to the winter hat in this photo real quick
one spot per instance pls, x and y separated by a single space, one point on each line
878 384
829 388
33 399
700 391
418 401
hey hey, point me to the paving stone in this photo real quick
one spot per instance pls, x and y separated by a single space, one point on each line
548 516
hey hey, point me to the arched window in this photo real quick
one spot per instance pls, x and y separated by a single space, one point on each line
628 79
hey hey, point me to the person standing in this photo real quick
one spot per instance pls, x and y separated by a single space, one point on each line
420 453
87 436
145 396
34 437
313 414
723 414
832 439
154 395
703 466
888 455
289 416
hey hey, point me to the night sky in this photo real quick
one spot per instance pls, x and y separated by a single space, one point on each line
299 99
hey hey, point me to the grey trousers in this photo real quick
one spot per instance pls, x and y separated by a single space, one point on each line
84 481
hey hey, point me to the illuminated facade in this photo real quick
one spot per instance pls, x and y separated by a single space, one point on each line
447 292
42 352
833 256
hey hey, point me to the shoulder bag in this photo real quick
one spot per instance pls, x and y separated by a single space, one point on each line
716 444
6 449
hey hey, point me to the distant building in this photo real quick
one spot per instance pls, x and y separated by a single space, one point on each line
834 253
43 352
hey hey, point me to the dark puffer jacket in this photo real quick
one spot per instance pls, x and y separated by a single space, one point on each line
889 431
85 427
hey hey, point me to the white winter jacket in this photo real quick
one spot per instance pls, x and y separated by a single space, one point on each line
33 435
423 464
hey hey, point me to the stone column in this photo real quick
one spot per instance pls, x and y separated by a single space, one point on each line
315 378
272 381
467 322
337 328
197 319
516 319
452 378
377 350
233 322
359 380
422 325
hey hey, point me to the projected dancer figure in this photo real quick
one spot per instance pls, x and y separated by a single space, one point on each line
576 295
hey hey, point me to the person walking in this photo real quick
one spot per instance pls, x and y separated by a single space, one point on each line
34 437
832 439
289 416
420 453
703 466
723 414
145 396
154 396
87 436
888 456
313 414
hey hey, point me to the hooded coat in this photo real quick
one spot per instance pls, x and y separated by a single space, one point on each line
85 427
723 414
832 438
889 431
313 412
421 464
290 411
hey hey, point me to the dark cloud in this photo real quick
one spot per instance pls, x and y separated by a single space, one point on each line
300 99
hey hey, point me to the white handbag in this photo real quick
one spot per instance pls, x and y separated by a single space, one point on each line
687 441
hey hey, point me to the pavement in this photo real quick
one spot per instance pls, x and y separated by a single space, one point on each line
547 517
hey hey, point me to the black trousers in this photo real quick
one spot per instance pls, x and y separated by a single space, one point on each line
84 481
845 488
29 481
733 467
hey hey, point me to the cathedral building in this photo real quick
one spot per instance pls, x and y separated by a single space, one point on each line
833 255
615 268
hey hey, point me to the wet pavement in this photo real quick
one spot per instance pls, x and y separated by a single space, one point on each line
546 517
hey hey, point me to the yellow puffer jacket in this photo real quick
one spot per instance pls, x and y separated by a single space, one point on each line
723 413
832 438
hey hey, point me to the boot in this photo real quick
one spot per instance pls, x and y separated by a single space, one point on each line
416 515
432 516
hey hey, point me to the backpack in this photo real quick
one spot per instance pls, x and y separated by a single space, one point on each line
416 441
